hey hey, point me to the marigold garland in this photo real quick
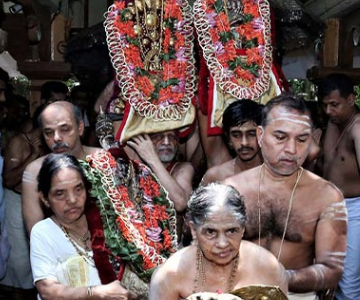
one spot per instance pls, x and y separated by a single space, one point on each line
246 75
169 97
143 234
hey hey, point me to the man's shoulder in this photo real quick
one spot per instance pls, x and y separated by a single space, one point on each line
238 179
323 187
35 165
219 168
91 150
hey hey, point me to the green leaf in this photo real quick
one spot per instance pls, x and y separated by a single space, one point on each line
219 6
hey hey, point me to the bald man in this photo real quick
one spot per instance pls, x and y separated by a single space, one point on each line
62 125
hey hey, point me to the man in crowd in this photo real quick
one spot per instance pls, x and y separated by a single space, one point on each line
239 123
158 151
298 216
4 244
341 166
62 125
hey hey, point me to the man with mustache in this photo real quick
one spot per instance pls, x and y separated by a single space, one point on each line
239 123
298 216
341 166
158 151
62 125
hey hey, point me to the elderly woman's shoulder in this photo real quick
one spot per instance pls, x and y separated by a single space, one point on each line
258 254
178 263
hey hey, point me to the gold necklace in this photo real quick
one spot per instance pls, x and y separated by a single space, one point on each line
84 254
200 279
261 175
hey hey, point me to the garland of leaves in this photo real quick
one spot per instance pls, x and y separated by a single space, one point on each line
142 234
246 75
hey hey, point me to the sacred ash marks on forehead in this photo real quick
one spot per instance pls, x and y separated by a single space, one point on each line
281 113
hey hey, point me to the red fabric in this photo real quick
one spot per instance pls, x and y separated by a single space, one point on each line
203 88
100 252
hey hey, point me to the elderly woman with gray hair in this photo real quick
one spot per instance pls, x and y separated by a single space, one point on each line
219 262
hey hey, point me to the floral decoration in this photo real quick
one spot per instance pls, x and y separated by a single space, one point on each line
239 57
141 228
161 97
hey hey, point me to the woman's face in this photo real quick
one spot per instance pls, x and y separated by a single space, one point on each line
67 195
219 237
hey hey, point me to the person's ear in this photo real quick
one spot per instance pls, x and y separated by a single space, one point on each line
259 134
193 230
81 128
44 200
351 99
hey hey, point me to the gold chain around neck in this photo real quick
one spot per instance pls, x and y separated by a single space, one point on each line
261 175
200 279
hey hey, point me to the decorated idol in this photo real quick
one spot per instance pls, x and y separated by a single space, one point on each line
236 42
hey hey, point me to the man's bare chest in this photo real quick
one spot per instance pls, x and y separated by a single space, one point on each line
276 217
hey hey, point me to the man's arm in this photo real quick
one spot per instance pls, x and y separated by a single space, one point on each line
31 204
216 152
16 161
330 247
179 185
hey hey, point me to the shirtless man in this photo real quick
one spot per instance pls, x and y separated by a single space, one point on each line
62 125
341 166
298 216
240 120
158 151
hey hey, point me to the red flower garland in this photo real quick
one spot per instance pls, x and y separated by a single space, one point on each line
170 96
245 72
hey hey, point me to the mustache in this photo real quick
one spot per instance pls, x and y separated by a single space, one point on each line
165 148
245 148
57 146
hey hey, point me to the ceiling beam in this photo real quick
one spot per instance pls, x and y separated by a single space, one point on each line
331 8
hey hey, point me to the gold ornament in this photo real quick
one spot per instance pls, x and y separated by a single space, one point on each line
172 41
138 30
146 41
151 20
154 35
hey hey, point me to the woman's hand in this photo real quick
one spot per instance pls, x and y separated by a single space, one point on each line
113 290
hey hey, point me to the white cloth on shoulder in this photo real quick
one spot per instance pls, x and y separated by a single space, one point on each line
54 257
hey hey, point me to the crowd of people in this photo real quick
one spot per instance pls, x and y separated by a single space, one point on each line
258 220
125 207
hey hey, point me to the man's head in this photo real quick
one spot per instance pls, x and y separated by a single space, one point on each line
240 120
62 125
166 144
285 134
52 91
337 95
4 80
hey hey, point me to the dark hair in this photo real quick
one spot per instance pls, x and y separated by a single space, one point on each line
240 112
207 196
50 87
51 165
334 82
287 100
4 76
78 116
